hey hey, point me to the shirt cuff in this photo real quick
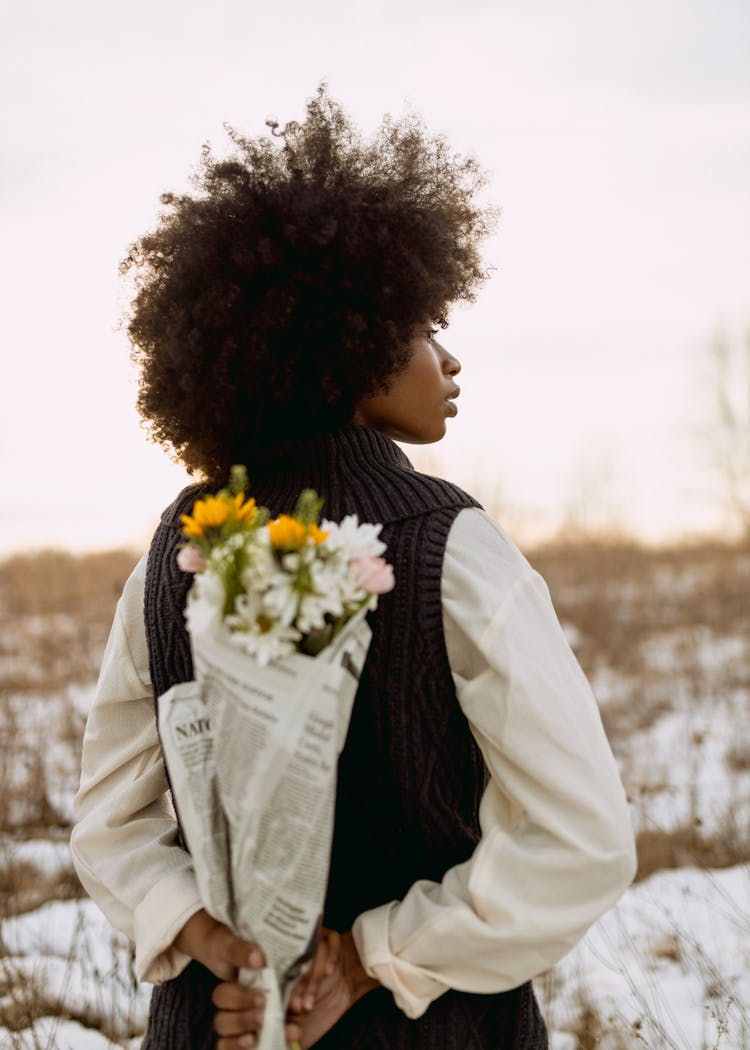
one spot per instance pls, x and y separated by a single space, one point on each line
157 921
413 990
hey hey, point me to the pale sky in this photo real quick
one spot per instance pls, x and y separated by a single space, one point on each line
617 138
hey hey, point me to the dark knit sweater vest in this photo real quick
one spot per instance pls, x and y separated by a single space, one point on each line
410 776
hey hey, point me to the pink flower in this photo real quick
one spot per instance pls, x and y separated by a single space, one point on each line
190 559
373 574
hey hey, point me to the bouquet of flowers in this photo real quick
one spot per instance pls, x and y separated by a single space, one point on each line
276 619
282 585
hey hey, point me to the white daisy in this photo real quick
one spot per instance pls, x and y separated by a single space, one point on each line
281 598
357 541
261 565
247 608
274 643
205 603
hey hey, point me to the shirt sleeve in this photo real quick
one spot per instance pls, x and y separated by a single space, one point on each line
556 847
124 842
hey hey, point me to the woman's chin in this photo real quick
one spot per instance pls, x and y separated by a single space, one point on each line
429 435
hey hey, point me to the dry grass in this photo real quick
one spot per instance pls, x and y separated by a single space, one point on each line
55 613
628 604
27 995
688 846
738 756
50 581
619 594
23 887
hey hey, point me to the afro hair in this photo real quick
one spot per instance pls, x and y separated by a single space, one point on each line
289 284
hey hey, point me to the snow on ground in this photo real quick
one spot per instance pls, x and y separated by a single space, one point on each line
688 765
46 857
53 928
681 772
54 1033
48 773
66 956
668 967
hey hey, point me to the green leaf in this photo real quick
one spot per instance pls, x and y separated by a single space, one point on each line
308 507
238 482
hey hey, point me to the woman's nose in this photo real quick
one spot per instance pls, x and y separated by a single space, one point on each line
452 364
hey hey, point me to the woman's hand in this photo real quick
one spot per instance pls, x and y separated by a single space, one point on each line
323 964
239 1015
213 944
334 990
235 1004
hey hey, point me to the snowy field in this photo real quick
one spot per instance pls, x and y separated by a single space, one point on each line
666 645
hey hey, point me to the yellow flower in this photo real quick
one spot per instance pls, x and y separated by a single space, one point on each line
213 511
317 534
245 511
286 532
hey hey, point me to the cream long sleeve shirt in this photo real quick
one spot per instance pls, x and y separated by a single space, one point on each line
557 845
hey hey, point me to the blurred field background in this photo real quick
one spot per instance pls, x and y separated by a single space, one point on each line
664 637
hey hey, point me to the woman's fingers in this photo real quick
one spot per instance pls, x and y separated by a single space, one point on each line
334 951
213 944
305 993
293 1034
244 1042
233 996
239 1015
238 1022
238 1028
234 953
324 963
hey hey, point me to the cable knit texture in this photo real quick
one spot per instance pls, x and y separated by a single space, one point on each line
410 776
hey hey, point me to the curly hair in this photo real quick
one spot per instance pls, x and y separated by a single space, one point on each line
289 285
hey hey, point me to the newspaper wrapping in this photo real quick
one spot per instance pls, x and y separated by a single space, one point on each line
251 753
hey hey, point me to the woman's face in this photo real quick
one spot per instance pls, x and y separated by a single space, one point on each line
416 406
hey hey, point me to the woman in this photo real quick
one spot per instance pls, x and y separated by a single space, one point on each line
285 317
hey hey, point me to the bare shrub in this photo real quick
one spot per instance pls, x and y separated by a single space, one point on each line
725 438
688 846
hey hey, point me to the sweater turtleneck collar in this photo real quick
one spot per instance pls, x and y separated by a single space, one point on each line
356 469
348 445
